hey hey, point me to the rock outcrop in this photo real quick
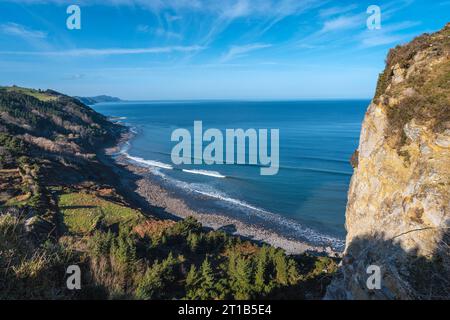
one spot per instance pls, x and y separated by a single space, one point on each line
398 211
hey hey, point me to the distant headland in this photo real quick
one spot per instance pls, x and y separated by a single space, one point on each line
97 99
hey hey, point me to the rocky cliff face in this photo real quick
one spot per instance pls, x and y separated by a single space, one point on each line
398 212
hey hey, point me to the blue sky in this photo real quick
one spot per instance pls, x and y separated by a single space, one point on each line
207 49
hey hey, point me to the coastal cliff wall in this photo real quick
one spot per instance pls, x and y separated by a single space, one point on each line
398 211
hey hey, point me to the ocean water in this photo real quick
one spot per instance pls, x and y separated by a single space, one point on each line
306 200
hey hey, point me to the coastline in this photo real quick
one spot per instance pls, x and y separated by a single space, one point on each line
145 185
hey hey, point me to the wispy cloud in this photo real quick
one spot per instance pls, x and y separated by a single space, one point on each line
150 4
388 34
171 18
18 30
332 11
76 76
388 9
159 32
342 23
240 8
240 51
143 28
271 11
327 30
107 52
232 8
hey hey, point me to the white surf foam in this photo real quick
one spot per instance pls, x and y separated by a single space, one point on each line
214 174
151 163
117 118
124 148
133 130
311 235
211 192
158 164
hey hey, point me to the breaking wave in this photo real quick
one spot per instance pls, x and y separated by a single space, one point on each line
151 163
214 174
270 217
158 164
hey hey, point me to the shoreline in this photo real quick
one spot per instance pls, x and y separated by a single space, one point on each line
157 196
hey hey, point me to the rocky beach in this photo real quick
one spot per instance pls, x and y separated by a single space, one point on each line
141 180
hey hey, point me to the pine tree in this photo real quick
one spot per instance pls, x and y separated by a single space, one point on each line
207 273
293 275
232 265
191 278
207 286
261 270
151 284
167 268
192 283
156 279
123 252
243 278
193 241
281 268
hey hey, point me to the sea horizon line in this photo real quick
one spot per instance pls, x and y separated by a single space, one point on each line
236 100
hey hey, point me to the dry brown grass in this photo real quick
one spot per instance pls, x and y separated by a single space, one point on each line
153 228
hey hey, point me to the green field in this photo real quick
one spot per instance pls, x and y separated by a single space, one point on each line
83 212
41 95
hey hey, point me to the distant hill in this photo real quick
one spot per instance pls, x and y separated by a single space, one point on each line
52 121
97 99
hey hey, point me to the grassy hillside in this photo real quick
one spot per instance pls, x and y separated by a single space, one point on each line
61 205
83 213
52 121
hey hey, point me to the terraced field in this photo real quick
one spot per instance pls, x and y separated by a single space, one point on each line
83 213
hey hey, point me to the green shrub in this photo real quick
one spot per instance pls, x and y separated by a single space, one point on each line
156 279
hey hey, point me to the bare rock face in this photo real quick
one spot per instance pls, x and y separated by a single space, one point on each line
398 211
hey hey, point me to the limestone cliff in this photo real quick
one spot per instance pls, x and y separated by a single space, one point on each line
398 214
